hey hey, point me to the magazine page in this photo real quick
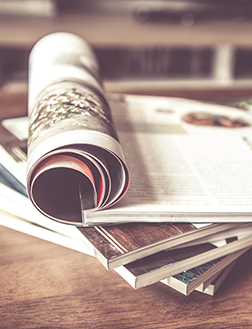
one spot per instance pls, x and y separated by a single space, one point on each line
75 161
188 161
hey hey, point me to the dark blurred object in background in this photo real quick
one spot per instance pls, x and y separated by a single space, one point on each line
142 46
186 12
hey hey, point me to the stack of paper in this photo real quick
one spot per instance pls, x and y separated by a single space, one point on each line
185 256
157 188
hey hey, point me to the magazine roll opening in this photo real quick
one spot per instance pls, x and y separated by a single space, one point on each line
56 193
75 161
58 184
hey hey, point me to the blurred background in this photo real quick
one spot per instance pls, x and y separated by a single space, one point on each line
188 48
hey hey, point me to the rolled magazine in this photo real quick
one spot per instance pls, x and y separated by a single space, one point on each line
75 160
189 161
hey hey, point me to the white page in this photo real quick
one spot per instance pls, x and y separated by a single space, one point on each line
184 172
181 171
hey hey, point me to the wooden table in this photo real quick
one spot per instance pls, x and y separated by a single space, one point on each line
47 286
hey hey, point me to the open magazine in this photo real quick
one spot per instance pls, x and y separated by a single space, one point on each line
188 161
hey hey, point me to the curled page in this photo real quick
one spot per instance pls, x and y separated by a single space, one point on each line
75 161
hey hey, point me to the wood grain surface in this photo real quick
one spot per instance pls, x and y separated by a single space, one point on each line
131 236
115 241
47 286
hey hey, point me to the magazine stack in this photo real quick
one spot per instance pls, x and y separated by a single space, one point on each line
156 188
